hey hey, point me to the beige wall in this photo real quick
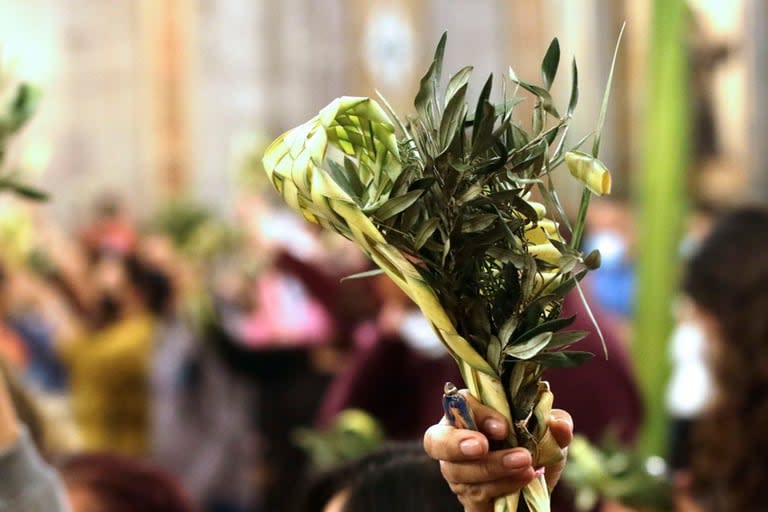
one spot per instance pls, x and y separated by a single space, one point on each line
147 96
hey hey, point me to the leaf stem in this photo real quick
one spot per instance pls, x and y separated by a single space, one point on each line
578 227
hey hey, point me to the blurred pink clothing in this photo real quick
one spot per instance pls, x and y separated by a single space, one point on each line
285 315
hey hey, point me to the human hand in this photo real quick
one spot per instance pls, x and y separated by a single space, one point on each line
477 475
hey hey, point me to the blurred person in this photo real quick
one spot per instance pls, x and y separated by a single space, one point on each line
91 483
110 230
690 387
727 281
203 427
109 365
479 475
115 483
611 230
397 476
27 316
397 345
395 351
407 483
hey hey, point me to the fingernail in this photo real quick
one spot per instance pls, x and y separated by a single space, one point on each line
494 427
539 471
517 459
471 447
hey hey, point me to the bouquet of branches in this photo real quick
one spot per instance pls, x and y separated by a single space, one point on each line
443 202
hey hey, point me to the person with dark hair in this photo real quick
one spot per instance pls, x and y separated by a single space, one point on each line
109 365
114 483
727 281
398 476
409 481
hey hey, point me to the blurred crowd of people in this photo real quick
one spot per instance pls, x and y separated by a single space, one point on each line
186 355
170 343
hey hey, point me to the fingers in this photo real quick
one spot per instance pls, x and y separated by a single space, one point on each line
489 421
514 463
443 442
561 426
480 497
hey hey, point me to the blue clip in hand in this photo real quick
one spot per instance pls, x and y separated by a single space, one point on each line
457 409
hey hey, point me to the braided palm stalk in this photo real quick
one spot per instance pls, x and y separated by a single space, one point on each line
445 211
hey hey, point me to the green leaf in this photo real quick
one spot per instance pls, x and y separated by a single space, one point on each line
569 284
504 255
426 99
505 107
526 209
541 93
574 100
548 326
363 275
28 192
23 189
453 118
530 348
482 133
422 183
339 176
508 328
550 63
480 111
456 82
493 352
398 204
425 232
24 105
471 193
606 96
563 339
475 223
563 359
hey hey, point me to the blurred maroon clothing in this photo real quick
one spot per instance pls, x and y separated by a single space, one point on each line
403 388
602 394
399 386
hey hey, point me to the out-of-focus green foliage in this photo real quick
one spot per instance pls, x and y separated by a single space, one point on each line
353 434
612 472
194 230
18 103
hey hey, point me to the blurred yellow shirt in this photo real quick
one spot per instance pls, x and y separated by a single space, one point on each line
109 381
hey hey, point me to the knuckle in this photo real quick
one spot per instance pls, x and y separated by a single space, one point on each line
470 493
